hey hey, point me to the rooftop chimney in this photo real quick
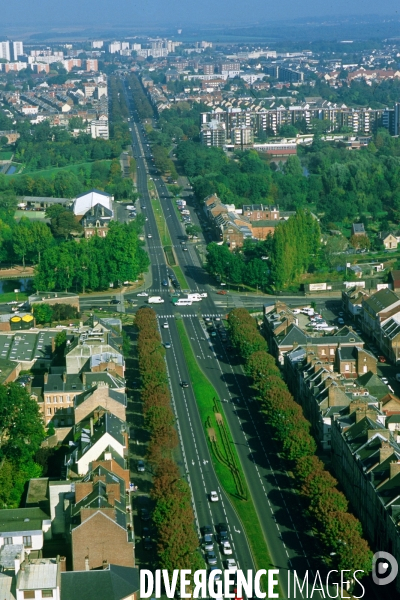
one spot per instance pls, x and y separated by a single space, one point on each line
385 451
46 377
84 378
64 376
394 469
91 427
105 564
87 563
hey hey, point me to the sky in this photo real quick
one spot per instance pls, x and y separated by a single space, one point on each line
87 13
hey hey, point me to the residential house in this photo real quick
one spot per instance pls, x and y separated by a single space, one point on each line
322 390
96 221
366 460
100 396
394 279
112 582
376 309
358 229
92 349
64 393
389 240
233 226
283 334
39 578
93 437
352 298
24 526
100 521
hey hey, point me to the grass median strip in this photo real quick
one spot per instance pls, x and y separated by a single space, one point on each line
181 278
161 222
223 452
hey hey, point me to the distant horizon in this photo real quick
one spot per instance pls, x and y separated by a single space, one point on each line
95 18
279 30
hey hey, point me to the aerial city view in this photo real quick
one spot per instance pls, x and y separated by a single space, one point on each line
199 300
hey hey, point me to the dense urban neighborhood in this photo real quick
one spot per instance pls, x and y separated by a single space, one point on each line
199 315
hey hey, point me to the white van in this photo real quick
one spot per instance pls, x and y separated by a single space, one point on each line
183 302
155 300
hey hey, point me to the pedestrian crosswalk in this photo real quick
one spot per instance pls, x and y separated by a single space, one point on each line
193 316
165 289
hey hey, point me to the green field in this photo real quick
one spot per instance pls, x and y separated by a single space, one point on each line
6 155
32 215
10 296
223 452
49 173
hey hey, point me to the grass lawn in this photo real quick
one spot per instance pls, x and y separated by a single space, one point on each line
6 155
49 173
223 452
32 215
10 296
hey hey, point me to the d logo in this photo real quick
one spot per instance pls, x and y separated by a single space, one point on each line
384 568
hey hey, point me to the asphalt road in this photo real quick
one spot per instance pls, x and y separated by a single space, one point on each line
196 463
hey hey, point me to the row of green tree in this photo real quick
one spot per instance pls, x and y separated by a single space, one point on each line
21 434
338 531
141 101
94 263
173 514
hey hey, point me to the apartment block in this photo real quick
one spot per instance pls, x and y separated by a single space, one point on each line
5 50
213 134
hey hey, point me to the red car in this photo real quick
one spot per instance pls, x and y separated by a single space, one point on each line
382 358
222 292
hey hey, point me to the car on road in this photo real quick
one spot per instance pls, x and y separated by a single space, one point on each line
143 207
385 380
211 558
185 248
226 548
222 292
165 325
143 294
382 359
147 218
184 384
115 301
209 544
203 295
12 302
217 576
149 235
140 466
144 514
147 543
214 497
164 283
222 533
340 321
231 565
167 345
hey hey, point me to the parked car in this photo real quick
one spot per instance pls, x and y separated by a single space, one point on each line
140 466
144 514
147 543
382 359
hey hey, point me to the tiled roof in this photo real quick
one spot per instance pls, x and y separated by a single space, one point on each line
113 583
